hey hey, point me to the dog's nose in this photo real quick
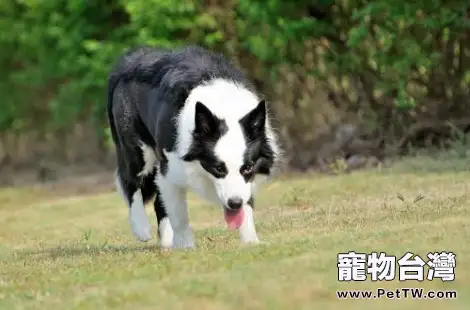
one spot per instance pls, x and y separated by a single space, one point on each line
235 203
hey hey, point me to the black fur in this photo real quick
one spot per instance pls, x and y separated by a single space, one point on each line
251 202
208 130
258 154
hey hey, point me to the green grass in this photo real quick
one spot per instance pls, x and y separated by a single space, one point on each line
79 253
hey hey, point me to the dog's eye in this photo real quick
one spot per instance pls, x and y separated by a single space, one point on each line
247 169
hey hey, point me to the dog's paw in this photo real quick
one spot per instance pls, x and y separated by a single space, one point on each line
184 246
141 228
165 234
184 243
142 233
183 240
140 225
251 238
253 242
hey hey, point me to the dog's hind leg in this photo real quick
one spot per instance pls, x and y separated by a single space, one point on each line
135 152
134 181
150 189
138 219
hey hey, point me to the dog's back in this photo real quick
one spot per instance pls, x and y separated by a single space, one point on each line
149 85
119 109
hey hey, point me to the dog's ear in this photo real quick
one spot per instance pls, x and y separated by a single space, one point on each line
204 121
255 121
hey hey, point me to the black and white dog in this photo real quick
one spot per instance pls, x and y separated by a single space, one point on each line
187 119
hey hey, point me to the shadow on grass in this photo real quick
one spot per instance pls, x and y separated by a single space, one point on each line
212 237
85 250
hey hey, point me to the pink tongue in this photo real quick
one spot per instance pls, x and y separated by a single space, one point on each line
235 219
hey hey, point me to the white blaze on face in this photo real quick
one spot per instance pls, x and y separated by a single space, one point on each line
230 149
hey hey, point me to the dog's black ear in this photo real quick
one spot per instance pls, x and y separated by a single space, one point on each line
204 121
255 121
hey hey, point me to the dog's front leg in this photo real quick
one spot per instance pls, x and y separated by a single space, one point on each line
174 200
247 230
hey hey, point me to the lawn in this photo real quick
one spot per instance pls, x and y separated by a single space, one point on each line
77 252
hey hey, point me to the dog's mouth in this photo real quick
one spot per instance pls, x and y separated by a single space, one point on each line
234 218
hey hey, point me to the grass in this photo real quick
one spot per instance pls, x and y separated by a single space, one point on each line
78 252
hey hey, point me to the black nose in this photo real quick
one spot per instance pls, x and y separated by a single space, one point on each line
235 203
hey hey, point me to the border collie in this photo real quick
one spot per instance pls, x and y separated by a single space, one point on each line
187 119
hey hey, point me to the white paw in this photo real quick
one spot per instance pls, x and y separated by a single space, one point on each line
140 225
183 240
251 241
165 233
254 243
142 233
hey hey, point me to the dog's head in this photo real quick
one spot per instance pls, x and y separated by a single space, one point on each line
236 154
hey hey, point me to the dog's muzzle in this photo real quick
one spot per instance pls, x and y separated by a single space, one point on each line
234 203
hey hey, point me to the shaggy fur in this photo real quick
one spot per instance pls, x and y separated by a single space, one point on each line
188 120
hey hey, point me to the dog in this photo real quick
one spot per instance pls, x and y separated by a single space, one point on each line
187 119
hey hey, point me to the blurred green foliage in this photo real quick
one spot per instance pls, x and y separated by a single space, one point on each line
394 55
